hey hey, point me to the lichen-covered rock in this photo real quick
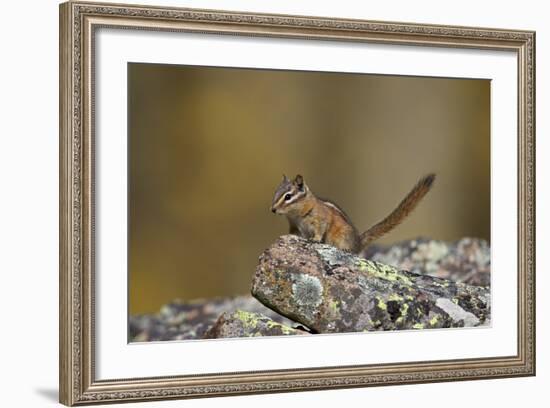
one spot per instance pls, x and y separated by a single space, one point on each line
189 320
467 260
248 324
330 291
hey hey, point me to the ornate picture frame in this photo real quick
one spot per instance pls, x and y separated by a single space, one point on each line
79 22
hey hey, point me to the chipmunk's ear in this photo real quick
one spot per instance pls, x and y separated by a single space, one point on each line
285 178
299 181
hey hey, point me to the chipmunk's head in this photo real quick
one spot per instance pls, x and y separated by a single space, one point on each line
289 195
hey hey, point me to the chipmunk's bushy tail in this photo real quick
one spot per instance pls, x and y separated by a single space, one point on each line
404 208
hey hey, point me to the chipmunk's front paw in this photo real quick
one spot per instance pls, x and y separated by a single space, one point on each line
317 238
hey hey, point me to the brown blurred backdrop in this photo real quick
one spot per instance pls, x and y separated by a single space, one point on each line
208 146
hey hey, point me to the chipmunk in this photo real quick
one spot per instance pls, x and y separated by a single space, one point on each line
321 220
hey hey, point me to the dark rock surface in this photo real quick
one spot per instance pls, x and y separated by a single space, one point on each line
190 320
331 291
248 324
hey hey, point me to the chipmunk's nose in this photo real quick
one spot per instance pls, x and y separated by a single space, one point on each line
273 210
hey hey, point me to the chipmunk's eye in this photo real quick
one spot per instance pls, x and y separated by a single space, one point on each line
288 197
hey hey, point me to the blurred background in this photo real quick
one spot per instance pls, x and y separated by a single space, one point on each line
208 147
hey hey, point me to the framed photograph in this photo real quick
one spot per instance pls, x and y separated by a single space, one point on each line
256 203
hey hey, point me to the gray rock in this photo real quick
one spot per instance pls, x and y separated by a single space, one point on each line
467 260
248 324
332 291
180 320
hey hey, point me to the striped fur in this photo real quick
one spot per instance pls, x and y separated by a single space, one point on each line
324 221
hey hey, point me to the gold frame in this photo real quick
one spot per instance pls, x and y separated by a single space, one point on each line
78 22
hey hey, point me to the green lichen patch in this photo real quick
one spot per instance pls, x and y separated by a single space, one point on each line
248 319
383 271
404 311
395 297
241 323
381 304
